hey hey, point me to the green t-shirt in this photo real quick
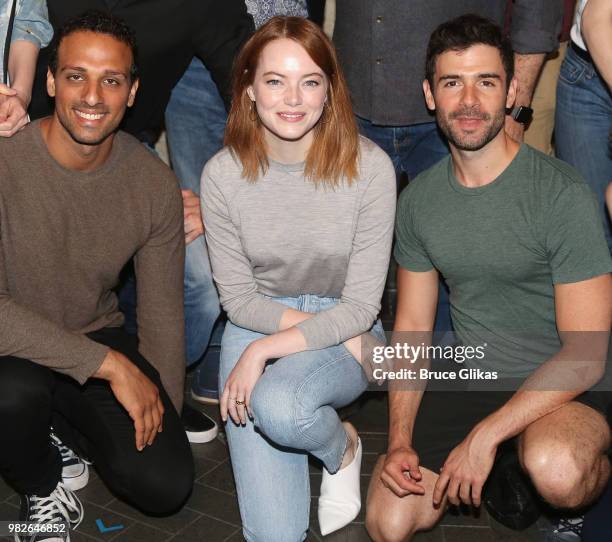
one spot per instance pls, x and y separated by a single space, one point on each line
501 248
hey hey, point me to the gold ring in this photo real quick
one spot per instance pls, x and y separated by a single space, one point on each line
239 403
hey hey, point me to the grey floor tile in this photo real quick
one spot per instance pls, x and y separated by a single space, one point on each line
206 529
367 463
76 536
215 503
435 535
203 465
350 533
5 490
215 450
138 532
220 477
236 537
532 534
96 492
468 534
8 512
109 519
170 524
374 444
463 516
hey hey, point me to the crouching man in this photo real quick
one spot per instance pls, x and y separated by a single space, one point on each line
78 199
522 250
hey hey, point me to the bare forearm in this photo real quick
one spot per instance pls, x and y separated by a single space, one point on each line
21 68
557 382
292 317
597 34
527 69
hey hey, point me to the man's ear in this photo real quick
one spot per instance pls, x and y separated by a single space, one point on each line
133 90
50 83
511 96
429 99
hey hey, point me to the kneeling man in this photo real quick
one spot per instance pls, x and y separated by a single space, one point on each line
522 250
77 200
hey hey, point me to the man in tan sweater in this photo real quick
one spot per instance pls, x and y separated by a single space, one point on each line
78 199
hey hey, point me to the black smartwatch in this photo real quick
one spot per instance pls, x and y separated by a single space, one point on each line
522 114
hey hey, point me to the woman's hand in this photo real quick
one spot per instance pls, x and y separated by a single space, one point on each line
240 384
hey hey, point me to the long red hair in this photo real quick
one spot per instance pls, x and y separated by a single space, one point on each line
334 152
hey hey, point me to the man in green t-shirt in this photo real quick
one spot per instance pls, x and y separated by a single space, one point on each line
522 250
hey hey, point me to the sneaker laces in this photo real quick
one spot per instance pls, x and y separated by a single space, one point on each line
570 525
68 455
61 506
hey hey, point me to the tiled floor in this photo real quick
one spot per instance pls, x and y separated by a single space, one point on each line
211 514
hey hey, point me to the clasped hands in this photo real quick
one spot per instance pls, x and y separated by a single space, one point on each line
461 478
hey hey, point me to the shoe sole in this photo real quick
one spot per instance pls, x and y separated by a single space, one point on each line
203 399
202 437
77 482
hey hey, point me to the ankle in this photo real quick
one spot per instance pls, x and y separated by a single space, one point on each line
351 445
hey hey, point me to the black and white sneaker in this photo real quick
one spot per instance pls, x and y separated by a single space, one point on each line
566 530
199 427
75 470
56 514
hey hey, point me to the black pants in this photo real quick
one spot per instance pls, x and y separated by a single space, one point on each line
445 418
90 420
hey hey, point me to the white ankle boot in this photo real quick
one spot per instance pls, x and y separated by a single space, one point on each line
340 499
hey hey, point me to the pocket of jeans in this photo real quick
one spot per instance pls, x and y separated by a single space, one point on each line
572 71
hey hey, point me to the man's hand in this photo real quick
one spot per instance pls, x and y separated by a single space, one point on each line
401 472
194 227
136 393
13 111
514 129
466 470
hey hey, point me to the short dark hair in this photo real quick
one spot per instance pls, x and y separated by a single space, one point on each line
102 23
462 32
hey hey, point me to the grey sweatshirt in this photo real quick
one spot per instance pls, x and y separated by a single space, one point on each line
283 236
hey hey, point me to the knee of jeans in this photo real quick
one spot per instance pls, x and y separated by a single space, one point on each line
274 408
156 490
24 387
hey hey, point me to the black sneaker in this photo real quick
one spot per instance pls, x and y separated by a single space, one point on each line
199 427
509 496
56 514
75 470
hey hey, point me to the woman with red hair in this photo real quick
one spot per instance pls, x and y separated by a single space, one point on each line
298 211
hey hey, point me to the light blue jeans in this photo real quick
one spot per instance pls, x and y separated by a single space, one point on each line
294 407
195 121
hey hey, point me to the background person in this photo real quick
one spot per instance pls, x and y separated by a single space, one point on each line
31 30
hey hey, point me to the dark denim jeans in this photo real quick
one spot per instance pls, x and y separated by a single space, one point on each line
413 149
583 126
195 121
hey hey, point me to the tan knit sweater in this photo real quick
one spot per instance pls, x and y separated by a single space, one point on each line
65 236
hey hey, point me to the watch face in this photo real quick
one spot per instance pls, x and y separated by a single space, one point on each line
522 114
